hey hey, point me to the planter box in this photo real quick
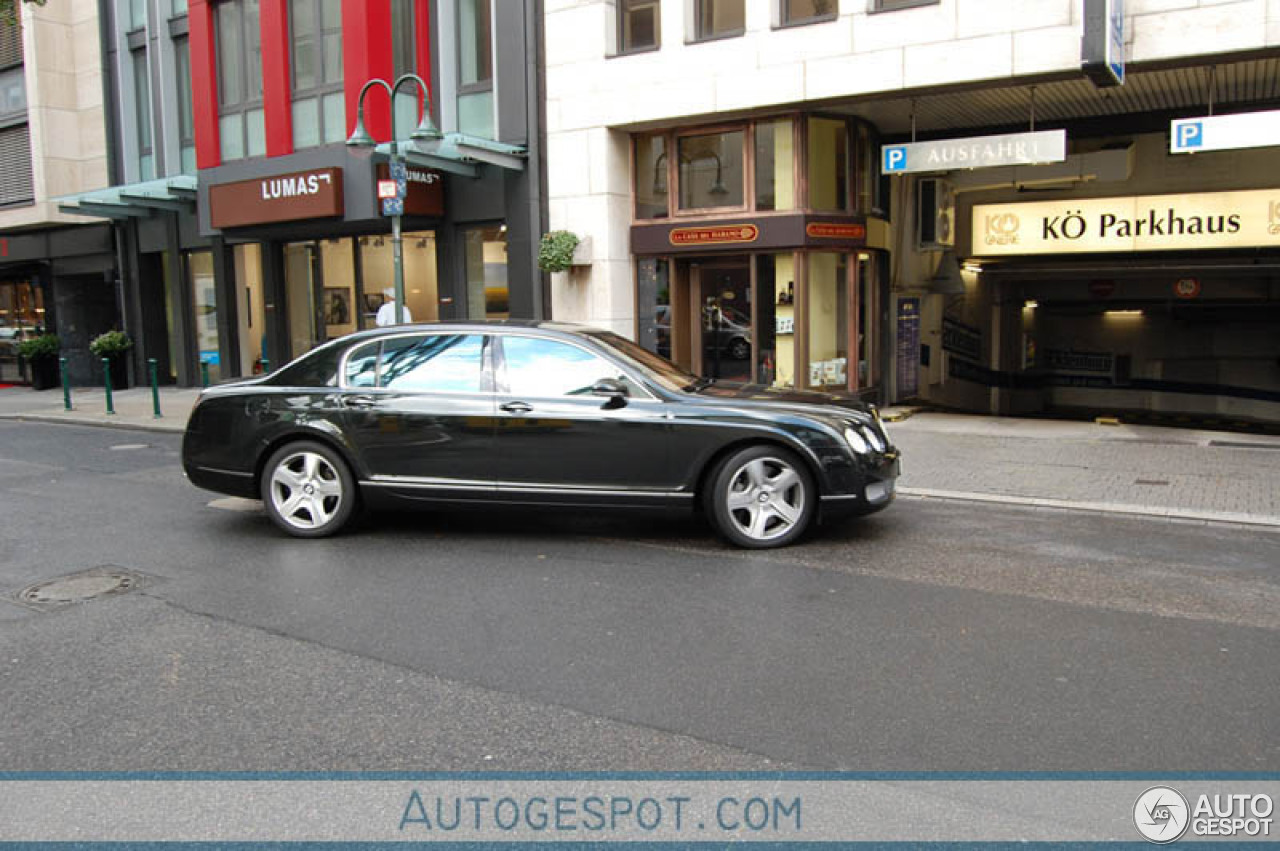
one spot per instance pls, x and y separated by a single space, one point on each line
582 252
44 373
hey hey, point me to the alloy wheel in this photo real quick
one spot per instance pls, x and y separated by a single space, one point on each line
306 490
765 499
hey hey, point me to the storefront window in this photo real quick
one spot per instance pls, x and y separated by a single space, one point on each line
711 170
486 262
21 317
828 161
828 321
204 298
247 260
775 165
377 264
300 296
653 301
651 177
776 300
864 345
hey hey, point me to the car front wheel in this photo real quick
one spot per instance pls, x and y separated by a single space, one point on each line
761 497
308 490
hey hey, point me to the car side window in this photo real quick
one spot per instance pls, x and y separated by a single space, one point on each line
362 366
537 367
438 363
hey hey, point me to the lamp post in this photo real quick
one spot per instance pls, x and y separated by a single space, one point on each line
426 131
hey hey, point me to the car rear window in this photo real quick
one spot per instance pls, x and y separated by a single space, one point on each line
318 368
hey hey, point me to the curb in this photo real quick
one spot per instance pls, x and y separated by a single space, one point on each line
1262 521
130 425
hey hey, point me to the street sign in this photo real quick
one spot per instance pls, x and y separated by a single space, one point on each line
1224 132
1102 48
398 171
387 189
1045 146
393 206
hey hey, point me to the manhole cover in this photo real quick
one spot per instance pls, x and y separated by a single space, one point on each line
79 587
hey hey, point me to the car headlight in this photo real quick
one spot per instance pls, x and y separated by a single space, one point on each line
856 440
873 437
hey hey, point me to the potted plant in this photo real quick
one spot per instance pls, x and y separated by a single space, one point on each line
555 252
41 353
114 346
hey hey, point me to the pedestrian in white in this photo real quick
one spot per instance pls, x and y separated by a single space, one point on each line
387 313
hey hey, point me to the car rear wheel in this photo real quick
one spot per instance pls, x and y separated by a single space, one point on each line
308 490
761 497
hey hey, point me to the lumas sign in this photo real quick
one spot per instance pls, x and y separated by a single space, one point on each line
1248 219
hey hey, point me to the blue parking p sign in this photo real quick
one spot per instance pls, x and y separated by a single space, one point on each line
1188 135
893 158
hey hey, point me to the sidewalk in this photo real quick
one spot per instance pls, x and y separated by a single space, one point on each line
1125 469
1184 474
133 407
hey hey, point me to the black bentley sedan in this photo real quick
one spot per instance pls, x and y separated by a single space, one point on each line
531 413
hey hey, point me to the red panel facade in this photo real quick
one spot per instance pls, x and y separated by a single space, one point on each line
276 85
366 53
204 83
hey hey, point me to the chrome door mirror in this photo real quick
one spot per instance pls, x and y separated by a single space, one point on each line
613 390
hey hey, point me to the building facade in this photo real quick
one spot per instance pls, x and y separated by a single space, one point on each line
248 230
727 161
302 251
57 271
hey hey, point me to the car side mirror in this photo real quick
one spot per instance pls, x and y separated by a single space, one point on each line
613 390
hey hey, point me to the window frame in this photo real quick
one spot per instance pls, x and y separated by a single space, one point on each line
698 36
143 124
243 105
671 139
621 10
747 129
875 7
485 84
503 387
785 21
487 383
186 106
322 88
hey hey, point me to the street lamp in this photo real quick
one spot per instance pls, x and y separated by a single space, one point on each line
425 132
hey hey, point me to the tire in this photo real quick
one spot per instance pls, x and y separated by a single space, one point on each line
739 349
761 497
293 507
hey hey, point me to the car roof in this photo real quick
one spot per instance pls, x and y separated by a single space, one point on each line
488 326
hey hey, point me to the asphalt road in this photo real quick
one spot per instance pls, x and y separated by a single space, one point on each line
933 636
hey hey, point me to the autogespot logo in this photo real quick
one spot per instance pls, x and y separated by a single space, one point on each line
1161 814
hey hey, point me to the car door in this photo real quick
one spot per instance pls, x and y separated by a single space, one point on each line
556 441
419 408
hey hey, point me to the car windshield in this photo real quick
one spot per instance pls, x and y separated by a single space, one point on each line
658 368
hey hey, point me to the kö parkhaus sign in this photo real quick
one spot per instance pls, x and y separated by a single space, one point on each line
1249 219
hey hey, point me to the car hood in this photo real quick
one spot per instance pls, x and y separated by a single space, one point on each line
805 402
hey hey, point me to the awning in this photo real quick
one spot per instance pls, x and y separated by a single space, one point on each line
134 200
458 153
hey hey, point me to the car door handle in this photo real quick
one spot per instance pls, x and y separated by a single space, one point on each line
516 407
359 401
